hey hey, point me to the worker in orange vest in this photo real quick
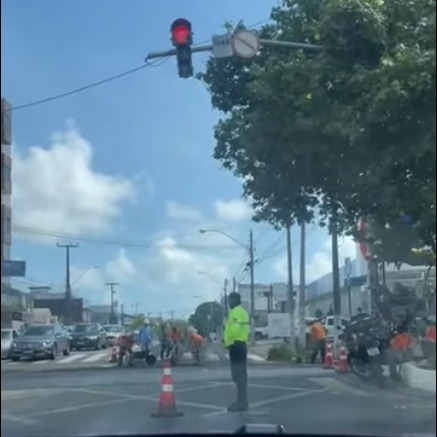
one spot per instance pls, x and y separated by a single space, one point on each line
318 335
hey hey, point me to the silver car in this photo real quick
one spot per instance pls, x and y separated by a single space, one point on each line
8 337
41 341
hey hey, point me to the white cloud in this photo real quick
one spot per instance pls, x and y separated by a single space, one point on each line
320 263
57 189
166 277
178 211
235 210
122 267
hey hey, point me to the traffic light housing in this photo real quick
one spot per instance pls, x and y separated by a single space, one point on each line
182 38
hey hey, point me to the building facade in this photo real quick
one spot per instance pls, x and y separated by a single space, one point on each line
6 181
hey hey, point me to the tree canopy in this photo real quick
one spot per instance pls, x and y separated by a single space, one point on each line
349 129
207 318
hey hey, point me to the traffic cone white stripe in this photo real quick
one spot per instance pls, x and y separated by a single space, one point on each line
167 388
167 371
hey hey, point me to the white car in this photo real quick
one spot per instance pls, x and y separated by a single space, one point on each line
8 337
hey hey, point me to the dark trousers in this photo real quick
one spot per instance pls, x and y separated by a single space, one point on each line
319 347
238 359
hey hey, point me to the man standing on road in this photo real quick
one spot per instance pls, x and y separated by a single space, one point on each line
318 334
236 336
146 337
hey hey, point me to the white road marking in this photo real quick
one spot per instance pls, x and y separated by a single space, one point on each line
95 357
255 357
272 401
71 358
278 387
39 362
10 363
334 385
212 357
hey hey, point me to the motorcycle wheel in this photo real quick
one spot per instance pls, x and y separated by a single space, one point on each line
358 368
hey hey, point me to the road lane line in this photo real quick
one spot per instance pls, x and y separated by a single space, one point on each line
271 401
78 407
153 396
39 362
95 357
278 387
71 358
286 397
334 385
126 398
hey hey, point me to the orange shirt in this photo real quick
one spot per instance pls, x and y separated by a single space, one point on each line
401 341
430 333
196 339
318 332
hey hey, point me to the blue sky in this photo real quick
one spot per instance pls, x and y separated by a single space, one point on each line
130 162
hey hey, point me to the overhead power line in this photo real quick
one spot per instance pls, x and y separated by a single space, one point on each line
22 230
85 87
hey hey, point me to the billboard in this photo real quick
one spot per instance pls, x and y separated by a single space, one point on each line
13 268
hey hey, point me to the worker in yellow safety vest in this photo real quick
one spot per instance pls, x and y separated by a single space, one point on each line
236 336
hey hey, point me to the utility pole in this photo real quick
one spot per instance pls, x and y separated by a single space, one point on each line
348 274
302 286
234 284
112 286
290 290
225 296
68 293
252 289
336 288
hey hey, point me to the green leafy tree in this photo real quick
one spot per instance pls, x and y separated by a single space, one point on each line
208 317
349 129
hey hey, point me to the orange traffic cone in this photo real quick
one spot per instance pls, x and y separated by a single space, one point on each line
329 358
343 366
167 399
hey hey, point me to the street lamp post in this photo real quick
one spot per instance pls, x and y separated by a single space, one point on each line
251 251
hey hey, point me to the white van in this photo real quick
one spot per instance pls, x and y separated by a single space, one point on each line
328 323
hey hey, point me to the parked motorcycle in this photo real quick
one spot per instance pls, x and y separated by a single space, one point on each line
367 343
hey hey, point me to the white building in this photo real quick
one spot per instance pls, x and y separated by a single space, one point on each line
268 297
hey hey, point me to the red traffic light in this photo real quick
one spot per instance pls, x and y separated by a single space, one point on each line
181 32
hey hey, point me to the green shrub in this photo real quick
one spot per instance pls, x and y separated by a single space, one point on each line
280 353
283 353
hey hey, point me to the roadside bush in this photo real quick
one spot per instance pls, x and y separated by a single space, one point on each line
280 353
283 353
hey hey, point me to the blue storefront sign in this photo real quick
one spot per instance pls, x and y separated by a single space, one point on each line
13 268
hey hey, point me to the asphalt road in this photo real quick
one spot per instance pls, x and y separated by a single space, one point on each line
120 401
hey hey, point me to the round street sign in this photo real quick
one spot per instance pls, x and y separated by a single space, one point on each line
245 44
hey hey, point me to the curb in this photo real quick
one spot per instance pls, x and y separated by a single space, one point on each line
419 379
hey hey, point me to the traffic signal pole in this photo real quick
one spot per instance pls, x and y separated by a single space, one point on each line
264 42
173 52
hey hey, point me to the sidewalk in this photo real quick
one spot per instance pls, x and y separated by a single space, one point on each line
418 378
